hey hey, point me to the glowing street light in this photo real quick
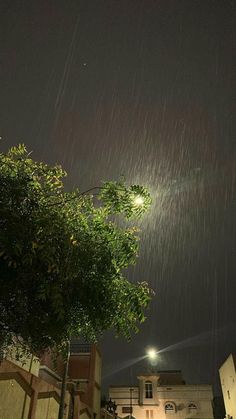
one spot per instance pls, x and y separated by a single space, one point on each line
138 200
152 354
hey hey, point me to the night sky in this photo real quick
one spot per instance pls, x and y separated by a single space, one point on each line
144 89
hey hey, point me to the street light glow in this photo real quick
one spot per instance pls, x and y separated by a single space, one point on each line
138 200
152 354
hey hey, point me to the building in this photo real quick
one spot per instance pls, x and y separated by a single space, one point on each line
161 394
23 394
32 389
228 384
84 377
85 368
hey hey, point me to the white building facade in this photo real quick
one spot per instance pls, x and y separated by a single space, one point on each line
228 384
163 394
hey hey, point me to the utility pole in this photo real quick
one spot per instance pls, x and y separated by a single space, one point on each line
131 402
64 382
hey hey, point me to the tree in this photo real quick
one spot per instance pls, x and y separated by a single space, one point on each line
62 256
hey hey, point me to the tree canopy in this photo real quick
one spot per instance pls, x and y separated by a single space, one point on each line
63 255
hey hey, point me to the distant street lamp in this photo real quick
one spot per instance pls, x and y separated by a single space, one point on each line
152 354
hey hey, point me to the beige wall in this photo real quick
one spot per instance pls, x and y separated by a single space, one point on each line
228 385
14 402
18 380
19 389
155 408
84 415
47 409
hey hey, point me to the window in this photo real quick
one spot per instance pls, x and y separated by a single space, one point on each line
170 407
148 390
228 393
126 409
149 414
192 407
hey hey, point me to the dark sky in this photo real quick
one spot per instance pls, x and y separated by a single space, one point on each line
145 89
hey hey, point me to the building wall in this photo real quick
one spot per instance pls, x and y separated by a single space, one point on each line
79 366
85 415
27 384
47 409
228 385
22 392
152 408
52 363
14 401
85 369
97 402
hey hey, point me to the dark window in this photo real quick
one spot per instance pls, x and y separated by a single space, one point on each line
126 409
148 390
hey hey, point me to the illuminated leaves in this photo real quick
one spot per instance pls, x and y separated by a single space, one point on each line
131 201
